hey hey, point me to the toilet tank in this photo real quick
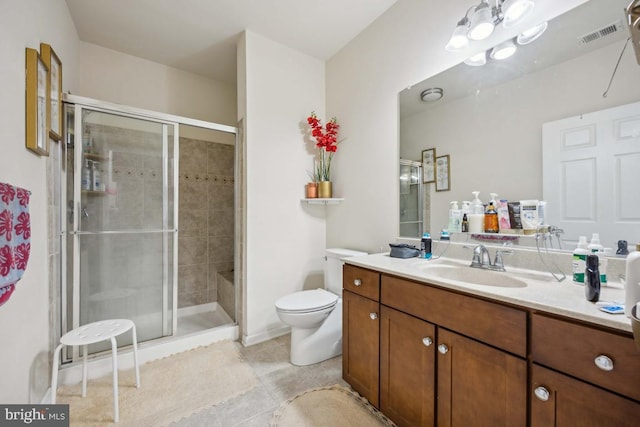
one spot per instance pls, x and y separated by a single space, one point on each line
333 267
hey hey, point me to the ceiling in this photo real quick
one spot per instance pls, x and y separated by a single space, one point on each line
200 35
561 42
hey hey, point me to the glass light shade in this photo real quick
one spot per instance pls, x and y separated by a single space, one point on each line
515 10
477 60
503 50
532 33
482 24
459 40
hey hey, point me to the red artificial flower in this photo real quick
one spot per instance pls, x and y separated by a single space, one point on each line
327 141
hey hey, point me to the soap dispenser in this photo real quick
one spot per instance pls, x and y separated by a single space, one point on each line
476 216
592 278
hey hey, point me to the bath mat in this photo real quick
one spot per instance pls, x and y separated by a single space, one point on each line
171 388
327 407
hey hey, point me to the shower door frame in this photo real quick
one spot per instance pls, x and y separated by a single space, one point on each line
79 103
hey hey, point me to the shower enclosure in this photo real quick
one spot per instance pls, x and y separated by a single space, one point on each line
120 190
411 199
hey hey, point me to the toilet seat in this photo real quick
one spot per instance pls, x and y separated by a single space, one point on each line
307 301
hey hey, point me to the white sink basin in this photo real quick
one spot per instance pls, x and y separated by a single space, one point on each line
475 276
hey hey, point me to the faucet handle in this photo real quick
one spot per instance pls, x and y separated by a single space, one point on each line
498 263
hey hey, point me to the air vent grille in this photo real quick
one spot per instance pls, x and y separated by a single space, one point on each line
601 33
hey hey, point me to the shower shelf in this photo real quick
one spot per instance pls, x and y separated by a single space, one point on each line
318 201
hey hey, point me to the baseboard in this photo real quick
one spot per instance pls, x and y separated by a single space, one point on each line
253 339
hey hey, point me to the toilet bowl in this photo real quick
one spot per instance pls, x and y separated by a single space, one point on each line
315 316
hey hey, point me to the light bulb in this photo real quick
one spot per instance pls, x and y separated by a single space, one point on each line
503 50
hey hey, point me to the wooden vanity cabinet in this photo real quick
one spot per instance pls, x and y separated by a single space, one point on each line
432 375
582 375
407 368
361 331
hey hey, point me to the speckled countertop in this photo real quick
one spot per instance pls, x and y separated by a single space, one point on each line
532 289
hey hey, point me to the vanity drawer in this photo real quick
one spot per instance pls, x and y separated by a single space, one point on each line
492 323
361 281
574 348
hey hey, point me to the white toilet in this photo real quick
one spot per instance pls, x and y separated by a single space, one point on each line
315 316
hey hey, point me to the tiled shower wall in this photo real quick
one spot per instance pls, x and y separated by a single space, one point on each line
206 219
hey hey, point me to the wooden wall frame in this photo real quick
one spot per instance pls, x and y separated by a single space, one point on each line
54 91
36 136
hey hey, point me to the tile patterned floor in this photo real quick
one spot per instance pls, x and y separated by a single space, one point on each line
279 381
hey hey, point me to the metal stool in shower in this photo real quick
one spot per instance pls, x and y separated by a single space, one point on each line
90 334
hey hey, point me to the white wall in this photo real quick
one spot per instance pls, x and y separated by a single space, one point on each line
499 148
116 77
403 46
285 238
25 317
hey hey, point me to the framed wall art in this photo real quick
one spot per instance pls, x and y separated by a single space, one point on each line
428 165
443 173
54 91
36 136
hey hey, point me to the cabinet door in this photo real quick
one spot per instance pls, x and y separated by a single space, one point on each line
559 400
360 344
407 368
479 385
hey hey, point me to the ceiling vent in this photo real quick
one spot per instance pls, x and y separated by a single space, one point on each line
601 33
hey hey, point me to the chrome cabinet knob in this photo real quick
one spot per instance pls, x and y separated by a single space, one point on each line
541 393
427 341
604 362
443 349
357 282
373 316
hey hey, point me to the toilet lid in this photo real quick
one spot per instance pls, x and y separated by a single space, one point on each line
313 300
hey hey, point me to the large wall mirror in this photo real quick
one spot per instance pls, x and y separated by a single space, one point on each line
490 123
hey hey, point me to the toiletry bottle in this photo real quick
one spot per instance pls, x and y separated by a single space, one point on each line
491 219
455 218
596 248
444 235
632 281
86 183
465 223
476 217
579 260
592 279
96 177
622 248
425 246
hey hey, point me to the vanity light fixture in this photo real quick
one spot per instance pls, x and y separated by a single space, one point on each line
528 36
484 18
477 60
432 94
482 22
503 50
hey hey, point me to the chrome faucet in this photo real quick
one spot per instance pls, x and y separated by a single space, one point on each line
481 258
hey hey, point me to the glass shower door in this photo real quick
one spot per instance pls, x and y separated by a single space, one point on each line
411 223
122 233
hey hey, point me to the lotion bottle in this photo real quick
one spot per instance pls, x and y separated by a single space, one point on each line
632 285
476 217
455 218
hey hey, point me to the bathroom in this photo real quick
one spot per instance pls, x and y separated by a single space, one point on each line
365 169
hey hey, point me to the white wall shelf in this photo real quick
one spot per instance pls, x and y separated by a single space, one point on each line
319 201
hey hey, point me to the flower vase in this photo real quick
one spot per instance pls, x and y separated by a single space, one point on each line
312 190
324 190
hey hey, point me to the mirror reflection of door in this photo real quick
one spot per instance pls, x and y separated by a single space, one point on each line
591 174
411 195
